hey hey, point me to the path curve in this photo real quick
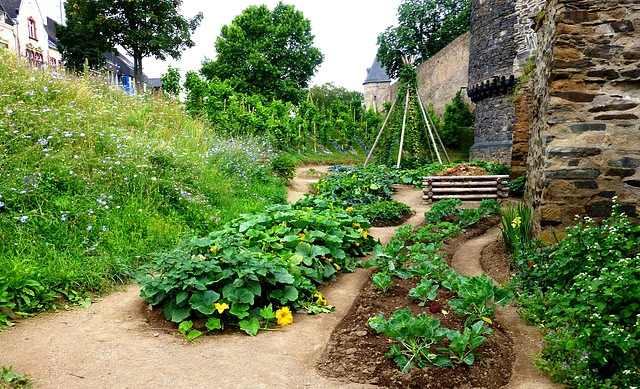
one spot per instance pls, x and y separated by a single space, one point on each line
111 344
526 339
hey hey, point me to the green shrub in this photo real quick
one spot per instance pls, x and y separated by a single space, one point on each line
516 187
284 167
456 118
585 293
387 212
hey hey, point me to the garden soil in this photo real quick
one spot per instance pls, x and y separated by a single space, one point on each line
118 342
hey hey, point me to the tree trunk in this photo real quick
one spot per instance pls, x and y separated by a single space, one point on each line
137 71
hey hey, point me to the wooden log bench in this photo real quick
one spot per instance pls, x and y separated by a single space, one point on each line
464 187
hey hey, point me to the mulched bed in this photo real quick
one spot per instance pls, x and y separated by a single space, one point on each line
356 352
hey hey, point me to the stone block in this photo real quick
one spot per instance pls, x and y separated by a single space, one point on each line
552 213
576 97
626 162
620 172
614 107
599 209
572 152
585 127
623 26
576 17
572 174
633 183
607 74
633 74
621 116
607 194
586 185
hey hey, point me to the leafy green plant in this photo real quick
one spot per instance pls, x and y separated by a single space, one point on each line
441 209
10 379
456 118
416 334
462 344
478 296
384 212
425 291
284 167
370 184
517 186
585 292
516 226
275 258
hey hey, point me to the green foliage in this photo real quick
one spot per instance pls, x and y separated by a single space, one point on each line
276 257
456 119
517 186
326 95
416 334
76 41
424 27
476 296
391 212
144 28
10 379
171 81
442 209
425 291
462 345
585 292
306 127
265 52
516 226
366 185
94 180
492 168
284 167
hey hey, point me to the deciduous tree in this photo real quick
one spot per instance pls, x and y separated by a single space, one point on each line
142 27
266 52
424 27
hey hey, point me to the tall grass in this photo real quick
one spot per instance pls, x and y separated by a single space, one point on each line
93 180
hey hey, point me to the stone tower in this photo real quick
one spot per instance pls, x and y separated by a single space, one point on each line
376 87
501 40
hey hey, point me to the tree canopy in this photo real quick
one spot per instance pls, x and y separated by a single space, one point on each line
75 40
266 52
424 27
142 27
324 95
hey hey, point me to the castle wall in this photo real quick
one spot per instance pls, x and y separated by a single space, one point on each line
376 94
443 75
584 147
501 40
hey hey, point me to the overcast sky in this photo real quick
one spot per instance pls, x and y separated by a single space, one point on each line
345 30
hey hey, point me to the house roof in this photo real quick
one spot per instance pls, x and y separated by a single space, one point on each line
155 82
376 73
124 66
51 31
10 8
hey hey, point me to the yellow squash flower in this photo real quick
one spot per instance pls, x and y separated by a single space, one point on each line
357 244
284 316
349 209
321 299
301 235
337 267
356 225
365 234
222 307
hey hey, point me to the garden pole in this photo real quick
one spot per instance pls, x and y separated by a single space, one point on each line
386 120
426 121
438 136
404 123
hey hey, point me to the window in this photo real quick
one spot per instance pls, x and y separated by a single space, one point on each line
53 62
31 24
31 55
39 58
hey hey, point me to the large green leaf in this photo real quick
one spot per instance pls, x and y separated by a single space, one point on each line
204 302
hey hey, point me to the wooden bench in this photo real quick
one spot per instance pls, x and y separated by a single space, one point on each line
464 187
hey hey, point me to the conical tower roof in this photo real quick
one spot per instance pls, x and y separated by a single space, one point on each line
376 73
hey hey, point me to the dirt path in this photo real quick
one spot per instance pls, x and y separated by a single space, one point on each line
111 344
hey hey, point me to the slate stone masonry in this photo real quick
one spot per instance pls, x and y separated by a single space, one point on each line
584 146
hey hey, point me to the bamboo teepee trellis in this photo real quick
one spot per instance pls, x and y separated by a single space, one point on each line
431 129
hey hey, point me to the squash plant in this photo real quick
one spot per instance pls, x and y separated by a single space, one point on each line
274 258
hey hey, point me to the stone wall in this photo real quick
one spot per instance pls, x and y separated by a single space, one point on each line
585 137
501 40
522 111
443 75
376 94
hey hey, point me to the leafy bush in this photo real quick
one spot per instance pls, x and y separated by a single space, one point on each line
284 167
456 118
517 186
274 258
388 212
585 292
364 185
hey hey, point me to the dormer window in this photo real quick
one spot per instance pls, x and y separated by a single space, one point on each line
31 24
